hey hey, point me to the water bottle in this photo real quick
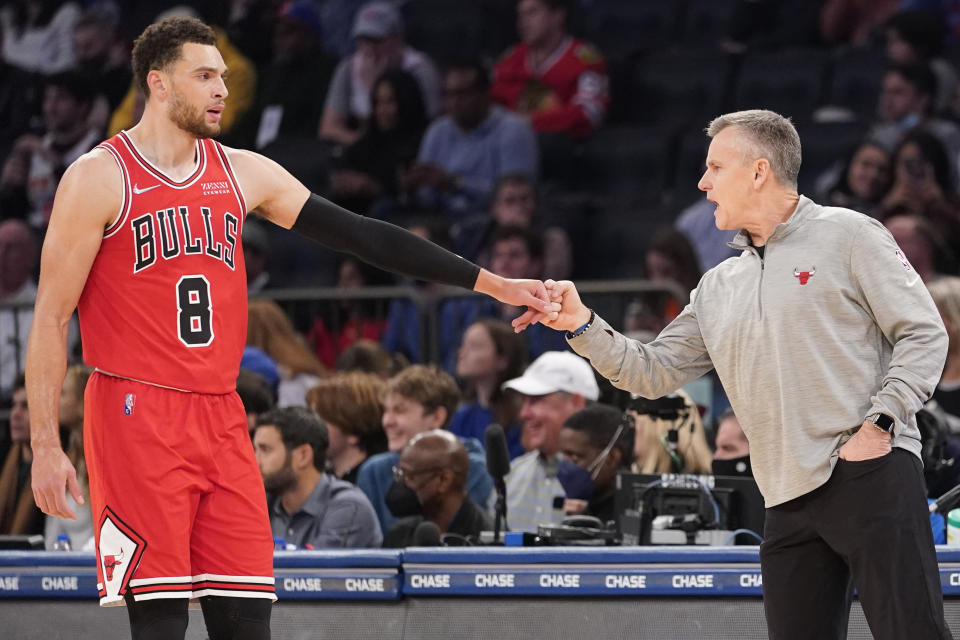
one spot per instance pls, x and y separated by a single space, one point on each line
953 528
62 543
279 544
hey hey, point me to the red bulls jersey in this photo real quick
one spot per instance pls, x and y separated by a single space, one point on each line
166 298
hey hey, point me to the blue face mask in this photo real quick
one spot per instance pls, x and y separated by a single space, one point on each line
576 481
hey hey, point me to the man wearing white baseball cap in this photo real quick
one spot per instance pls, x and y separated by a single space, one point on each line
378 34
554 386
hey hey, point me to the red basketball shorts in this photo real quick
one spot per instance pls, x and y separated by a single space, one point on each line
178 502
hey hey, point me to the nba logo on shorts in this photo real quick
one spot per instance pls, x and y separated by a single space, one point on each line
128 403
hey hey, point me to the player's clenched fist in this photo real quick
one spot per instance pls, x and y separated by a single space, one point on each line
573 313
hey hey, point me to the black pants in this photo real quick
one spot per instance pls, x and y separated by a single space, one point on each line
867 528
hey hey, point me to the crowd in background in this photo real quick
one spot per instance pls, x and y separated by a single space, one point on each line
539 138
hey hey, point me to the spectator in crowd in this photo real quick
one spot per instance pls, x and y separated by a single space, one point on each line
258 362
764 25
596 443
349 405
241 81
104 58
559 82
38 34
369 356
270 330
289 96
255 394
517 253
918 35
490 354
946 294
698 223
513 202
671 444
921 245
308 508
353 319
19 255
417 399
432 472
553 387
79 531
256 252
923 185
370 168
854 21
20 97
378 34
405 336
906 102
731 455
33 169
19 514
671 261
861 182
464 152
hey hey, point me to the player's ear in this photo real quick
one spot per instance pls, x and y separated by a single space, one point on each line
158 83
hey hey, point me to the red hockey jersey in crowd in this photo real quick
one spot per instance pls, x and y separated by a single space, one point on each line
567 92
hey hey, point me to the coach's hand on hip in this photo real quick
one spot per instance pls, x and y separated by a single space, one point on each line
867 443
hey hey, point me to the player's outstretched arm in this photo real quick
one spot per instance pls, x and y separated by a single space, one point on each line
281 198
87 201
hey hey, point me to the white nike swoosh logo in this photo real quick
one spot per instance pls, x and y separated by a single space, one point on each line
137 190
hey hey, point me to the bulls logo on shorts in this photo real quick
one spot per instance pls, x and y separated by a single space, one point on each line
119 551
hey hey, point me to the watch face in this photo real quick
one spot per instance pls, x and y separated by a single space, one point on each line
884 421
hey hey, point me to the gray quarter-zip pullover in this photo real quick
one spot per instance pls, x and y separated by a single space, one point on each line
830 327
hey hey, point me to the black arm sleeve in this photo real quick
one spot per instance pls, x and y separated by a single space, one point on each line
383 244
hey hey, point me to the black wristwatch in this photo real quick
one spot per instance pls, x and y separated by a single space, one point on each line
883 422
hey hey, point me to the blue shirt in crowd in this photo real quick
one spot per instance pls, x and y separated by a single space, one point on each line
471 421
503 143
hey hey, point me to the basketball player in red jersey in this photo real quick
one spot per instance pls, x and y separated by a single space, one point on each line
145 238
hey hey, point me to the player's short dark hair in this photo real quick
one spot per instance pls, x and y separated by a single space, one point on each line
297 426
532 238
599 422
20 382
917 74
160 45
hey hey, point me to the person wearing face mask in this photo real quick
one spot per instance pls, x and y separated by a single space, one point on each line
732 454
596 443
432 473
420 398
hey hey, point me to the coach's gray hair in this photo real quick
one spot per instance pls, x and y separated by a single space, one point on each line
771 135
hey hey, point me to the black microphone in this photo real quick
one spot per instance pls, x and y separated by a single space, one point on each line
498 457
947 501
498 465
427 534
